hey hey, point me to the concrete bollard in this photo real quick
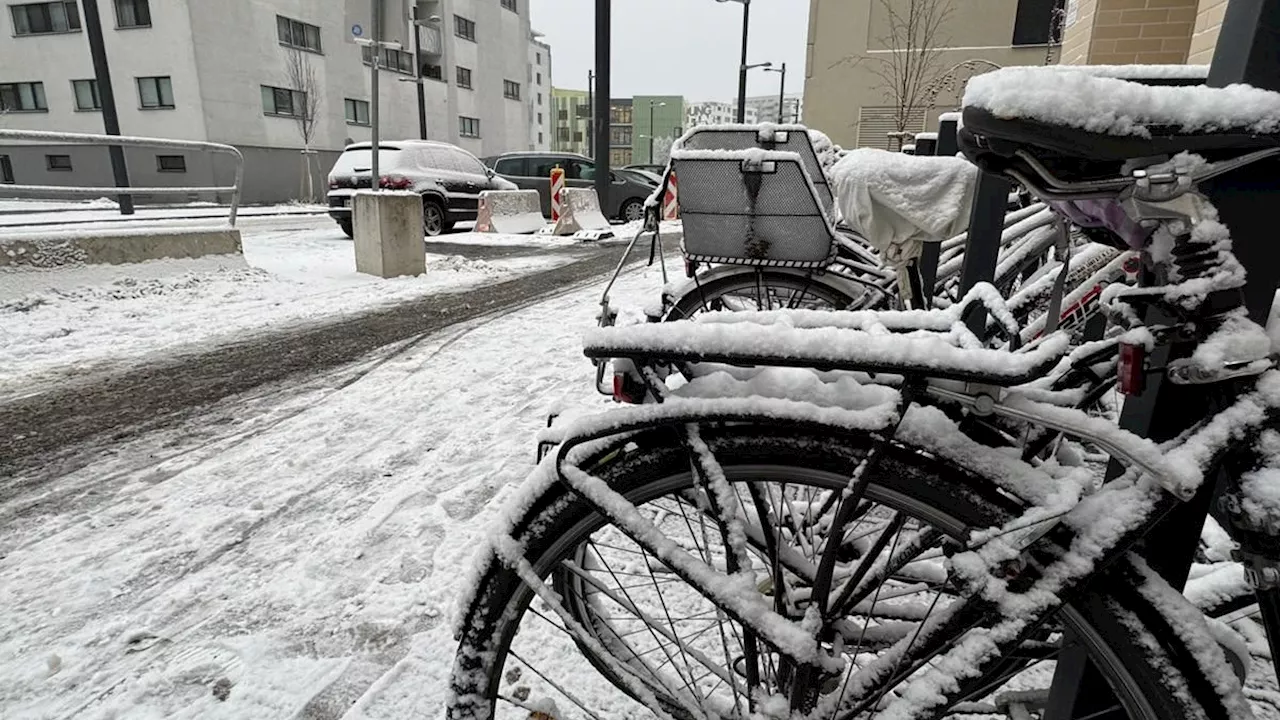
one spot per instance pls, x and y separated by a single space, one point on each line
388 233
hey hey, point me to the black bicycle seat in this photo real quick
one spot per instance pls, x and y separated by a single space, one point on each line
992 138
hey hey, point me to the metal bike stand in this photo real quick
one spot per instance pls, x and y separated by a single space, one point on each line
986 226
1248 51
932 251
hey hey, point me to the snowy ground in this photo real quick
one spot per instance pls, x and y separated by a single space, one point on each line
304 544
299 269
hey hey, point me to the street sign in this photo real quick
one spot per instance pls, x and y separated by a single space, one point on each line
357 31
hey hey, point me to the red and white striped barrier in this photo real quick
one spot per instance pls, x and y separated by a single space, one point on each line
671 201
557 189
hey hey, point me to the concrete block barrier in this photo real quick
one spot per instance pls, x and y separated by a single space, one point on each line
388 237
511 212
581 216
59 248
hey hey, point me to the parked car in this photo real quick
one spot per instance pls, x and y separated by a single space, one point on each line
642 175
647 167
532 171
449 179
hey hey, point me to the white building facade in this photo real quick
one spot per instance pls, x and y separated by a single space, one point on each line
541 123
218 71
766 107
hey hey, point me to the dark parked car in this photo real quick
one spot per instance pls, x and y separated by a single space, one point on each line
449 179
532 171
647 167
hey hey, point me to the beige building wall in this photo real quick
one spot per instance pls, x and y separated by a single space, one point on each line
845 98
1157 32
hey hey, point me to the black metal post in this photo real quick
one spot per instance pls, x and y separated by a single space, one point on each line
601 111
742 68
110 120
375 176
651 132
947 146
422 92
591 142
986 225
782 95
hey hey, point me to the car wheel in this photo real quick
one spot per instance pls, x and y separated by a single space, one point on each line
631 211
433 222
347 228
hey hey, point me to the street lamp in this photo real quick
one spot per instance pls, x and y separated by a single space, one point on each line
782 89
434 20
651 130
742 66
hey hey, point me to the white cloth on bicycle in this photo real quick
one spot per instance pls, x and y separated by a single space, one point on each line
898 202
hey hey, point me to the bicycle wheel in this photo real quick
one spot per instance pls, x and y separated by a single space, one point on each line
645 644
762 290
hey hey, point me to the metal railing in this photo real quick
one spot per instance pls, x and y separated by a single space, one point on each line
41 137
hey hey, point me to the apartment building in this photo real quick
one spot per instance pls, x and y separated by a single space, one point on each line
714 112
1122 32
541 110
621 132
766 108
852 41
218 71
572 118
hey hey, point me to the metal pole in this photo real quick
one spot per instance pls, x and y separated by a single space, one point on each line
742 68
107 98
601 119
417 60
376 47
591 105
651 132
782 94
986 225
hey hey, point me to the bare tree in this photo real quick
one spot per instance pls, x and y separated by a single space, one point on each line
912 65
300 75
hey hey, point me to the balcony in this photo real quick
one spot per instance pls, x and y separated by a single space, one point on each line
432 41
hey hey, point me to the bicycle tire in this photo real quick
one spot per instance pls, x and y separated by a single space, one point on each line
1148 670
704 297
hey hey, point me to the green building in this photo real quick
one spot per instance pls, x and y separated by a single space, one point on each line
657 121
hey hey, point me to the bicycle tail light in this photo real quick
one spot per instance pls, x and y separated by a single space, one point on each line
627 386
1131 370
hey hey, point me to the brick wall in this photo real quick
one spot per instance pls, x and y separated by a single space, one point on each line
1205 35
1124 32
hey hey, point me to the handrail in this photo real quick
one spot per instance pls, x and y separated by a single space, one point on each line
65 138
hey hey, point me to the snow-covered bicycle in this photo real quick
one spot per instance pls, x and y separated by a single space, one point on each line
802 526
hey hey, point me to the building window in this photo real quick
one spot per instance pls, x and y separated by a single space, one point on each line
464 77
155 93
562 115
465 28
539 98
577 136
357 111
45 18
539 78
86 92
620 136
539 138
58 163
283 102
435 72
468 127
620 115
171 163
562 134
391 59
1038 22
297 34
510 5
6 170
133 14
22 97
510 90
539 118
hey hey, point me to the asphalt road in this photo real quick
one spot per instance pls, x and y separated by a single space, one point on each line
46 432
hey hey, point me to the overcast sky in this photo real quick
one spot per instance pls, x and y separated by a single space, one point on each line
677 47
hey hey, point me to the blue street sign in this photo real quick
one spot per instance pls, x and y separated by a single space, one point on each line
357 31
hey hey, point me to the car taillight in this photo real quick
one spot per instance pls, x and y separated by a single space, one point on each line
334 184
1131 370
395 182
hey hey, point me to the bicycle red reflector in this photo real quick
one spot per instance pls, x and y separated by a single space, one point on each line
623 390
1131 370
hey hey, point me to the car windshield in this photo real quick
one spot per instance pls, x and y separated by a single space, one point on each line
358 160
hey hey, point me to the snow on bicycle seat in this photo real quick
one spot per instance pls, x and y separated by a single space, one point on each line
782 344
1061 114
897 202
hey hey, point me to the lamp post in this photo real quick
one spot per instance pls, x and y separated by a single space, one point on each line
782 90
591 81
652 133
742 66
417 59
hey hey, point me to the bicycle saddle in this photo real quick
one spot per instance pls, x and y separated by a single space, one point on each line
1082 126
